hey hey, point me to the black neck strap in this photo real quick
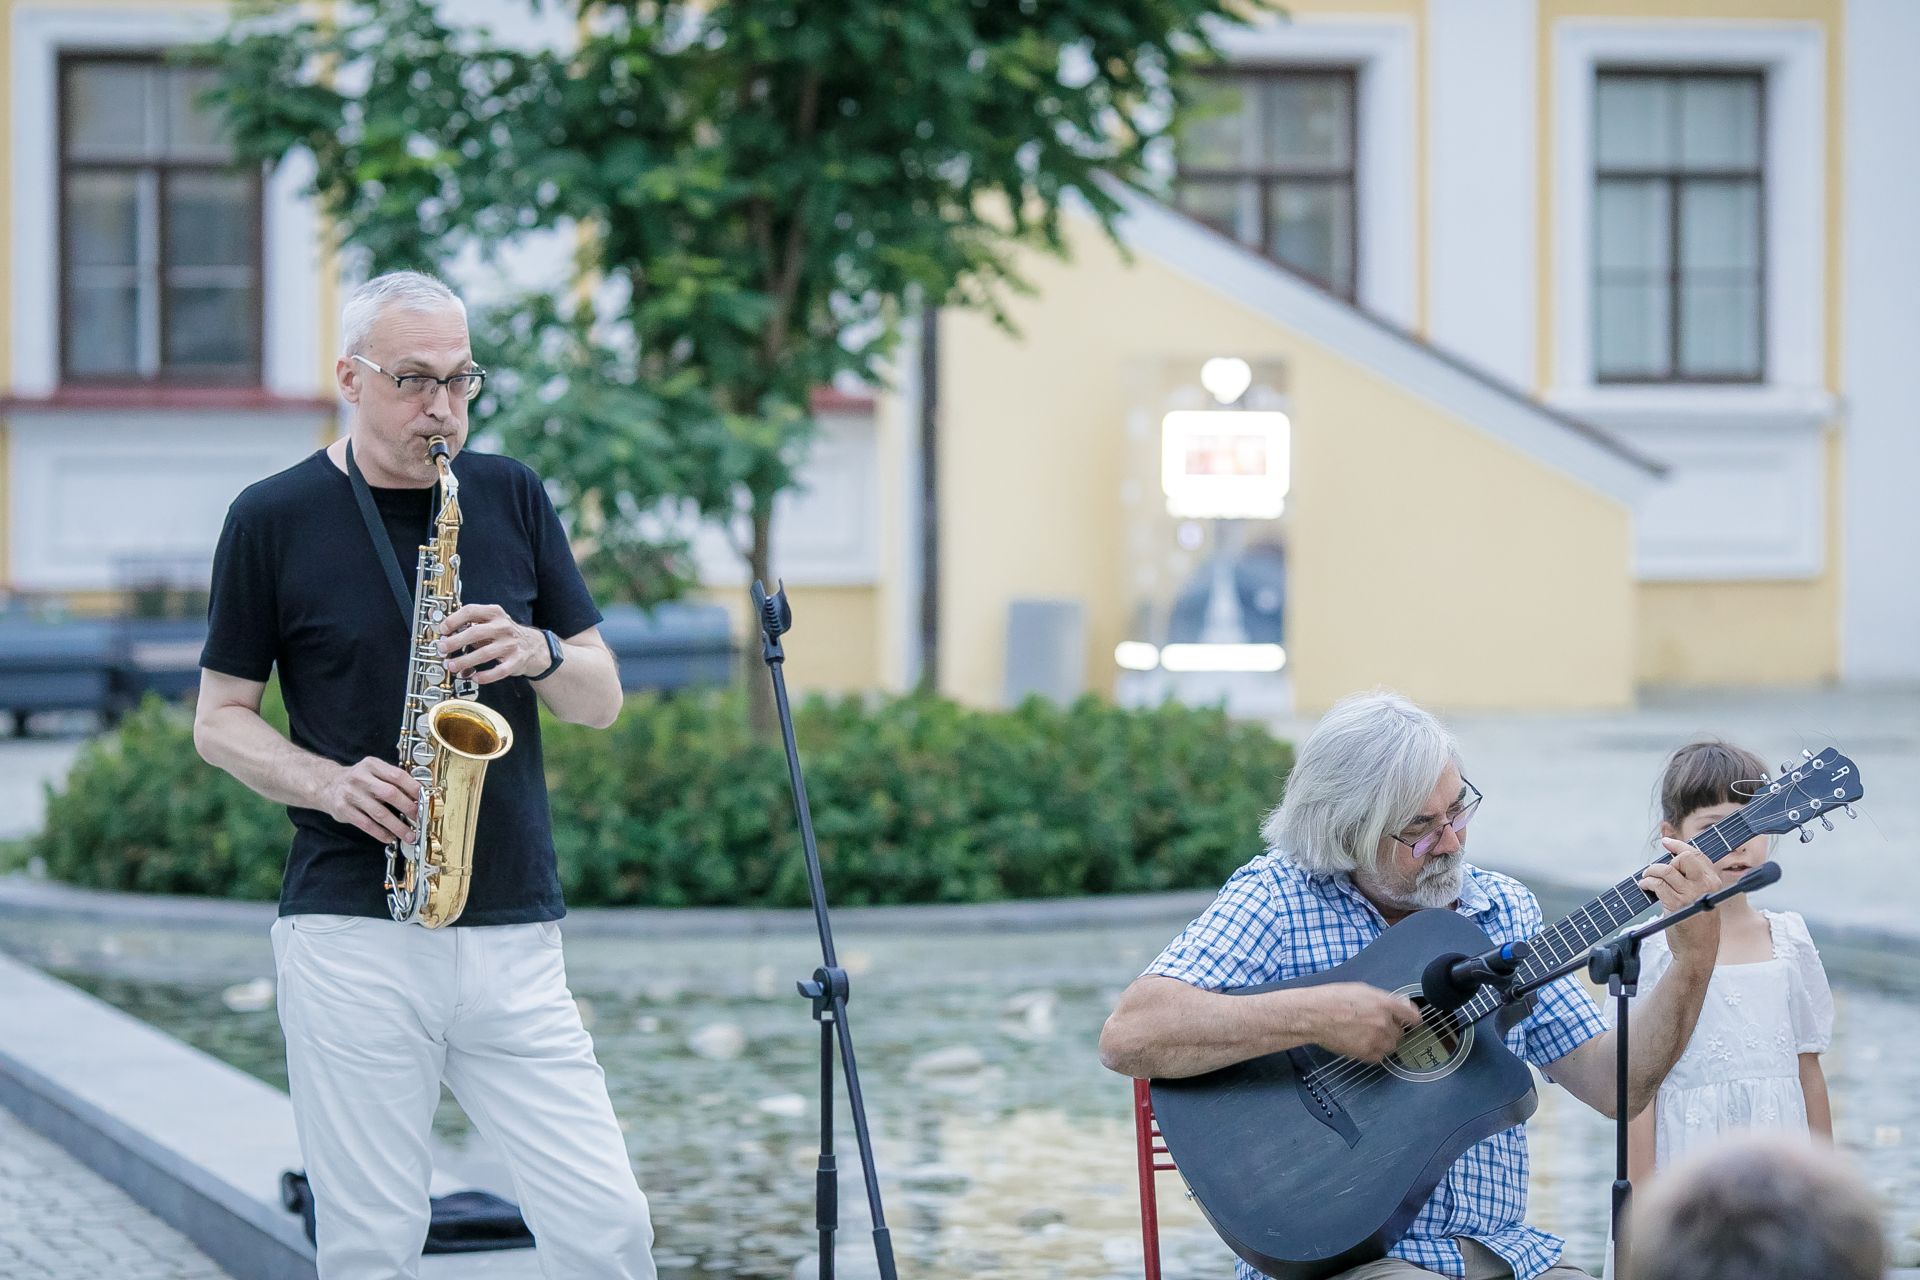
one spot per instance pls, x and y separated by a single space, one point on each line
382 544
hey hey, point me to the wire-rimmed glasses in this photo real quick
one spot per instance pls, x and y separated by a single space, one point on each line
1456 820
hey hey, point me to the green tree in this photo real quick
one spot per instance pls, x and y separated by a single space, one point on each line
758 190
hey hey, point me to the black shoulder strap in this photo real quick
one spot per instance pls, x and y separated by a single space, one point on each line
382 544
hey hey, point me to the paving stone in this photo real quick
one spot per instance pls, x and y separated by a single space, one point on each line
61 1221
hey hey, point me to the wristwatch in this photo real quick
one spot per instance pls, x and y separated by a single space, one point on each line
555 651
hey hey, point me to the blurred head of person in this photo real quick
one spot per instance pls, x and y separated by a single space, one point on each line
1768 1206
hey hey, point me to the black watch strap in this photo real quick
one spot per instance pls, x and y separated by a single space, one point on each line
554 651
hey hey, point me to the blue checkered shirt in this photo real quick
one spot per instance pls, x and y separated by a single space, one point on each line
1273 921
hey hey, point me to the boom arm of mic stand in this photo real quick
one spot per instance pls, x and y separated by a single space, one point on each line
830 988
1618 962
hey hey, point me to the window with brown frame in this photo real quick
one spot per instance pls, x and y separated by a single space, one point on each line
1267 156
1679 226
160 243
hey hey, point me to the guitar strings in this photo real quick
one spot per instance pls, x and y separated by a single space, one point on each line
1348 1077
1437 1024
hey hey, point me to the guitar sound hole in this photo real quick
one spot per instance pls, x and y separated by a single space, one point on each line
1432 1048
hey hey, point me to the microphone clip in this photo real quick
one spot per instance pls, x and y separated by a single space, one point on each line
775 618
1451 980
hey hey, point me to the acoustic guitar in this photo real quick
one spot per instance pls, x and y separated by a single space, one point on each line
1308 1163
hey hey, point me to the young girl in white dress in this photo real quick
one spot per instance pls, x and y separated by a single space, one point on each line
1754 1059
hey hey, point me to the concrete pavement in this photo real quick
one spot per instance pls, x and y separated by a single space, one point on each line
61 1221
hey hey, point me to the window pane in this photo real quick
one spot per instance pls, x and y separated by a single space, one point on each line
193 132
102 329
102 226
1720 225
1719 327
1231 208
1214 134
1720 121
1310 231
107 109
1307 120
1634 122
209 326
1630 332
1632 225
209 219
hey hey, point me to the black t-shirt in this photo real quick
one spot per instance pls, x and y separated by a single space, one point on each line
297 584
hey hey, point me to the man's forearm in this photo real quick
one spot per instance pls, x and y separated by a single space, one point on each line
1661 1028
586 688
1179 1031
238 741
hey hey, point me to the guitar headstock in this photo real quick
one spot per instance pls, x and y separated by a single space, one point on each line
1812 787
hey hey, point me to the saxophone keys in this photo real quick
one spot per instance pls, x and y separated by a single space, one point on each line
423 753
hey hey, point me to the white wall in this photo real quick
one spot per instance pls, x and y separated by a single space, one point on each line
1701 525
1482 194
1880 536
91 490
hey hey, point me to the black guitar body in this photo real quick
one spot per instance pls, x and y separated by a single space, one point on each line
1309 1164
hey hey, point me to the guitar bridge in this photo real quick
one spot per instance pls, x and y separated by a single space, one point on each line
1318 1097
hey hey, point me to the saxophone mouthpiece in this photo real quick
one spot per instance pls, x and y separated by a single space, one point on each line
437 449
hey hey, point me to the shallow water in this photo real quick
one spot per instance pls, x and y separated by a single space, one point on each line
1006 1150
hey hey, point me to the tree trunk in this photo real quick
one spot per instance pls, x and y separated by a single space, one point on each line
762 713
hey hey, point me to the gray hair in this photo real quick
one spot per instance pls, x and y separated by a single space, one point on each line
1768 1206
1363 773
409 290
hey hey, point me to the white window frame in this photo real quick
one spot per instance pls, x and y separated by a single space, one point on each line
292 262
1697 526
1793 58
1385 192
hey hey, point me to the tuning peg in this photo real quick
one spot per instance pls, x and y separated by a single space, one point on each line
1808 754
1850 812
1806 836
1785 765
1826 822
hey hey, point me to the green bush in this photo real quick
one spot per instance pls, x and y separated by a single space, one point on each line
142 811
914 799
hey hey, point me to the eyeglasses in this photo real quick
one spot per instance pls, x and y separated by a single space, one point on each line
1456 822
419 386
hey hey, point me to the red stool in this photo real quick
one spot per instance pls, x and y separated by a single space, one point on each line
1151 1153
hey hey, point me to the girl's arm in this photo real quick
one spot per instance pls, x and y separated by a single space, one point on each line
1813 1083
1640 1133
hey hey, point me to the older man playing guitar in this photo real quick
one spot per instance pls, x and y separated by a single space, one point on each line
1372 830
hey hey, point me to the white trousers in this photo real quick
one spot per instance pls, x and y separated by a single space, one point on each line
376 1015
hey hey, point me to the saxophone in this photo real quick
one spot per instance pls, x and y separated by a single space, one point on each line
446 737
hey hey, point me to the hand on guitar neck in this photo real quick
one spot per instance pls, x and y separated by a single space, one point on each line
1675 884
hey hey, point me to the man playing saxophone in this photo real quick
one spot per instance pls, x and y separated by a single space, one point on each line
378 1012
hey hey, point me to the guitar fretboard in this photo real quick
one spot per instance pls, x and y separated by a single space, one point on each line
1603 916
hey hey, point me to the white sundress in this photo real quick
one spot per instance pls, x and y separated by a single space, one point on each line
1741 1070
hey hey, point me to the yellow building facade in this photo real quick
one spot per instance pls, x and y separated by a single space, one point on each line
1566 419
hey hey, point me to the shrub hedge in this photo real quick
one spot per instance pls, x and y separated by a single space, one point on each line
915 799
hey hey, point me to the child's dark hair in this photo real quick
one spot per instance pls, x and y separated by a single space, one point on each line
1706 773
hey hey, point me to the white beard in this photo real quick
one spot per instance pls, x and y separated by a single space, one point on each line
1439 883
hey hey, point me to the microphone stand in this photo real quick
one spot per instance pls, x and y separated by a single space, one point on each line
830 988
1617 963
